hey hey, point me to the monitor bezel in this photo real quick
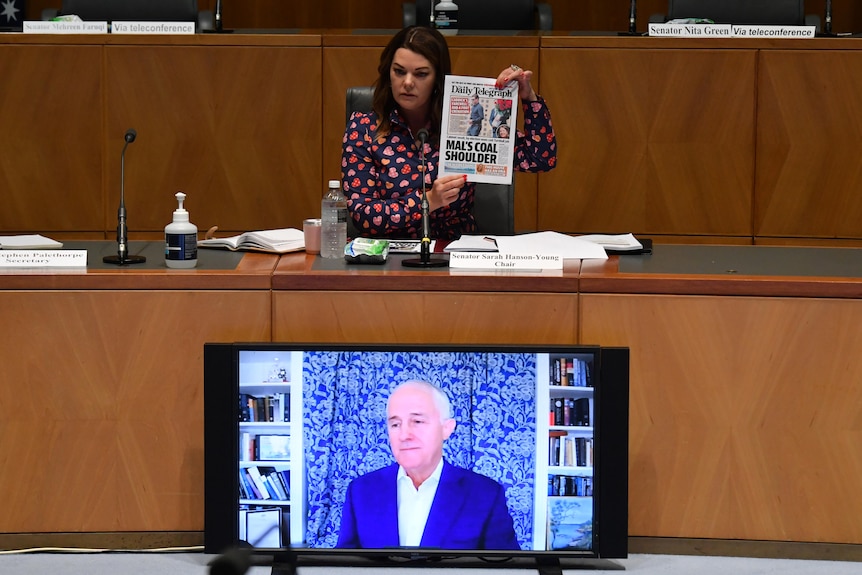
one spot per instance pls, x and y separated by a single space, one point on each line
221 451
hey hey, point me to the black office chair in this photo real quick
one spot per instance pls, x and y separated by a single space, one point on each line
493 204
778 12
136 10
486 14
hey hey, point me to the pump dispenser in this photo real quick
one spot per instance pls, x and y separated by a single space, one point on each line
181 239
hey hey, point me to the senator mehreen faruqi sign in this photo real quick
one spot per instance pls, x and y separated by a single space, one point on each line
673 30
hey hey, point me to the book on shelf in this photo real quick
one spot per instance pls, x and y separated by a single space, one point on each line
257 478
570 486
277 241
265 483
274 408
569 412
570 372
570 451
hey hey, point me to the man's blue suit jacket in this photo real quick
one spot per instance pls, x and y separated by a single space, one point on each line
469 512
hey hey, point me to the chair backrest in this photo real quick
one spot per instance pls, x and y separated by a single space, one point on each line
493 204
143 10
786 12
486 14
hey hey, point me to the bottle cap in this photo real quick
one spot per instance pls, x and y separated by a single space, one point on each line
180 214
335 184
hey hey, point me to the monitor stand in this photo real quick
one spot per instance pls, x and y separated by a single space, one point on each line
287 565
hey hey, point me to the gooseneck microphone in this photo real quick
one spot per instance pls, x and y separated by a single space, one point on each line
218 22
238 559
123 258
633 27
425 260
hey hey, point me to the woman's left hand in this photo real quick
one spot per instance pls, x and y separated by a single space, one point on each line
515 73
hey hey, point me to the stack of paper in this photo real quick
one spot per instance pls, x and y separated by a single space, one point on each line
28 242
539 243
618 242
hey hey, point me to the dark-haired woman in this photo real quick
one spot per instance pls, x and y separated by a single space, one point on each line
380 162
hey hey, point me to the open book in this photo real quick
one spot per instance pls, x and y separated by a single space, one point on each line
273 241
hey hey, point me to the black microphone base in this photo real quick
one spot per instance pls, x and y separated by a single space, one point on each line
425 263
630 33
117 260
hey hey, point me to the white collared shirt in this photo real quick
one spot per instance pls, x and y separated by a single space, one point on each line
414 505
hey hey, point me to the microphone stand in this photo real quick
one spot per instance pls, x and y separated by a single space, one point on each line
425 260
633 12
217 16
123 258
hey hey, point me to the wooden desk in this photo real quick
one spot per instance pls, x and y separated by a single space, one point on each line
101 402
319 300
745 376
745 394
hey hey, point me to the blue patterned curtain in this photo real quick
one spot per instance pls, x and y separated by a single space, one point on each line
344 402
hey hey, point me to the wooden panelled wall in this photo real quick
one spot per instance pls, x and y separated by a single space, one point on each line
568 14
720 141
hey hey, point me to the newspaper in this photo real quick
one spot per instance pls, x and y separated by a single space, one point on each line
478 132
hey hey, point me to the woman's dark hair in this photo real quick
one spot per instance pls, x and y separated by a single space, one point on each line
426 42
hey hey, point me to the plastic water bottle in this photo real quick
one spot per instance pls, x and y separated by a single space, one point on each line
444 17
333 230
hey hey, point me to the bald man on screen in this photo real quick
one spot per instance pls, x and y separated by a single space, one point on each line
421 500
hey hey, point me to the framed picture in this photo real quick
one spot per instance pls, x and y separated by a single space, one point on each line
263 527
273 447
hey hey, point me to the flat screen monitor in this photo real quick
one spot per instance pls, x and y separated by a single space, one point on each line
416 452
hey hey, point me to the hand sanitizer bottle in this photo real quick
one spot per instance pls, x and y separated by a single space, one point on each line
181 239
444 17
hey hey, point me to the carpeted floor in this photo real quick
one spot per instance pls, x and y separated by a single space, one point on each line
141 563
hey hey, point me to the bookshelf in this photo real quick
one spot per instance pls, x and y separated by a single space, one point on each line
564 437
271 482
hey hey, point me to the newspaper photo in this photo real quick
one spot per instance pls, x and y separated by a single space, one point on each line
478 132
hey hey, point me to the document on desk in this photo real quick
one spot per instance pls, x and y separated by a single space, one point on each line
551 243
28 242
467 243
617 242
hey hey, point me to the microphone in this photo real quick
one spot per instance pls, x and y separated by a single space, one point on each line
827 25
238 559
425 260
218 22
232 562
633 12
422 136
122 258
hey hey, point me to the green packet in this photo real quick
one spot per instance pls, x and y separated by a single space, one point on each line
366 251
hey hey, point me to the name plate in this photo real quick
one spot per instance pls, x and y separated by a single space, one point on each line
43 258
60 27
152 28
670 30
497 261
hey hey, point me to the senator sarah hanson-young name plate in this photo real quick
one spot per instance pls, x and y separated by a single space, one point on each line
504 261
